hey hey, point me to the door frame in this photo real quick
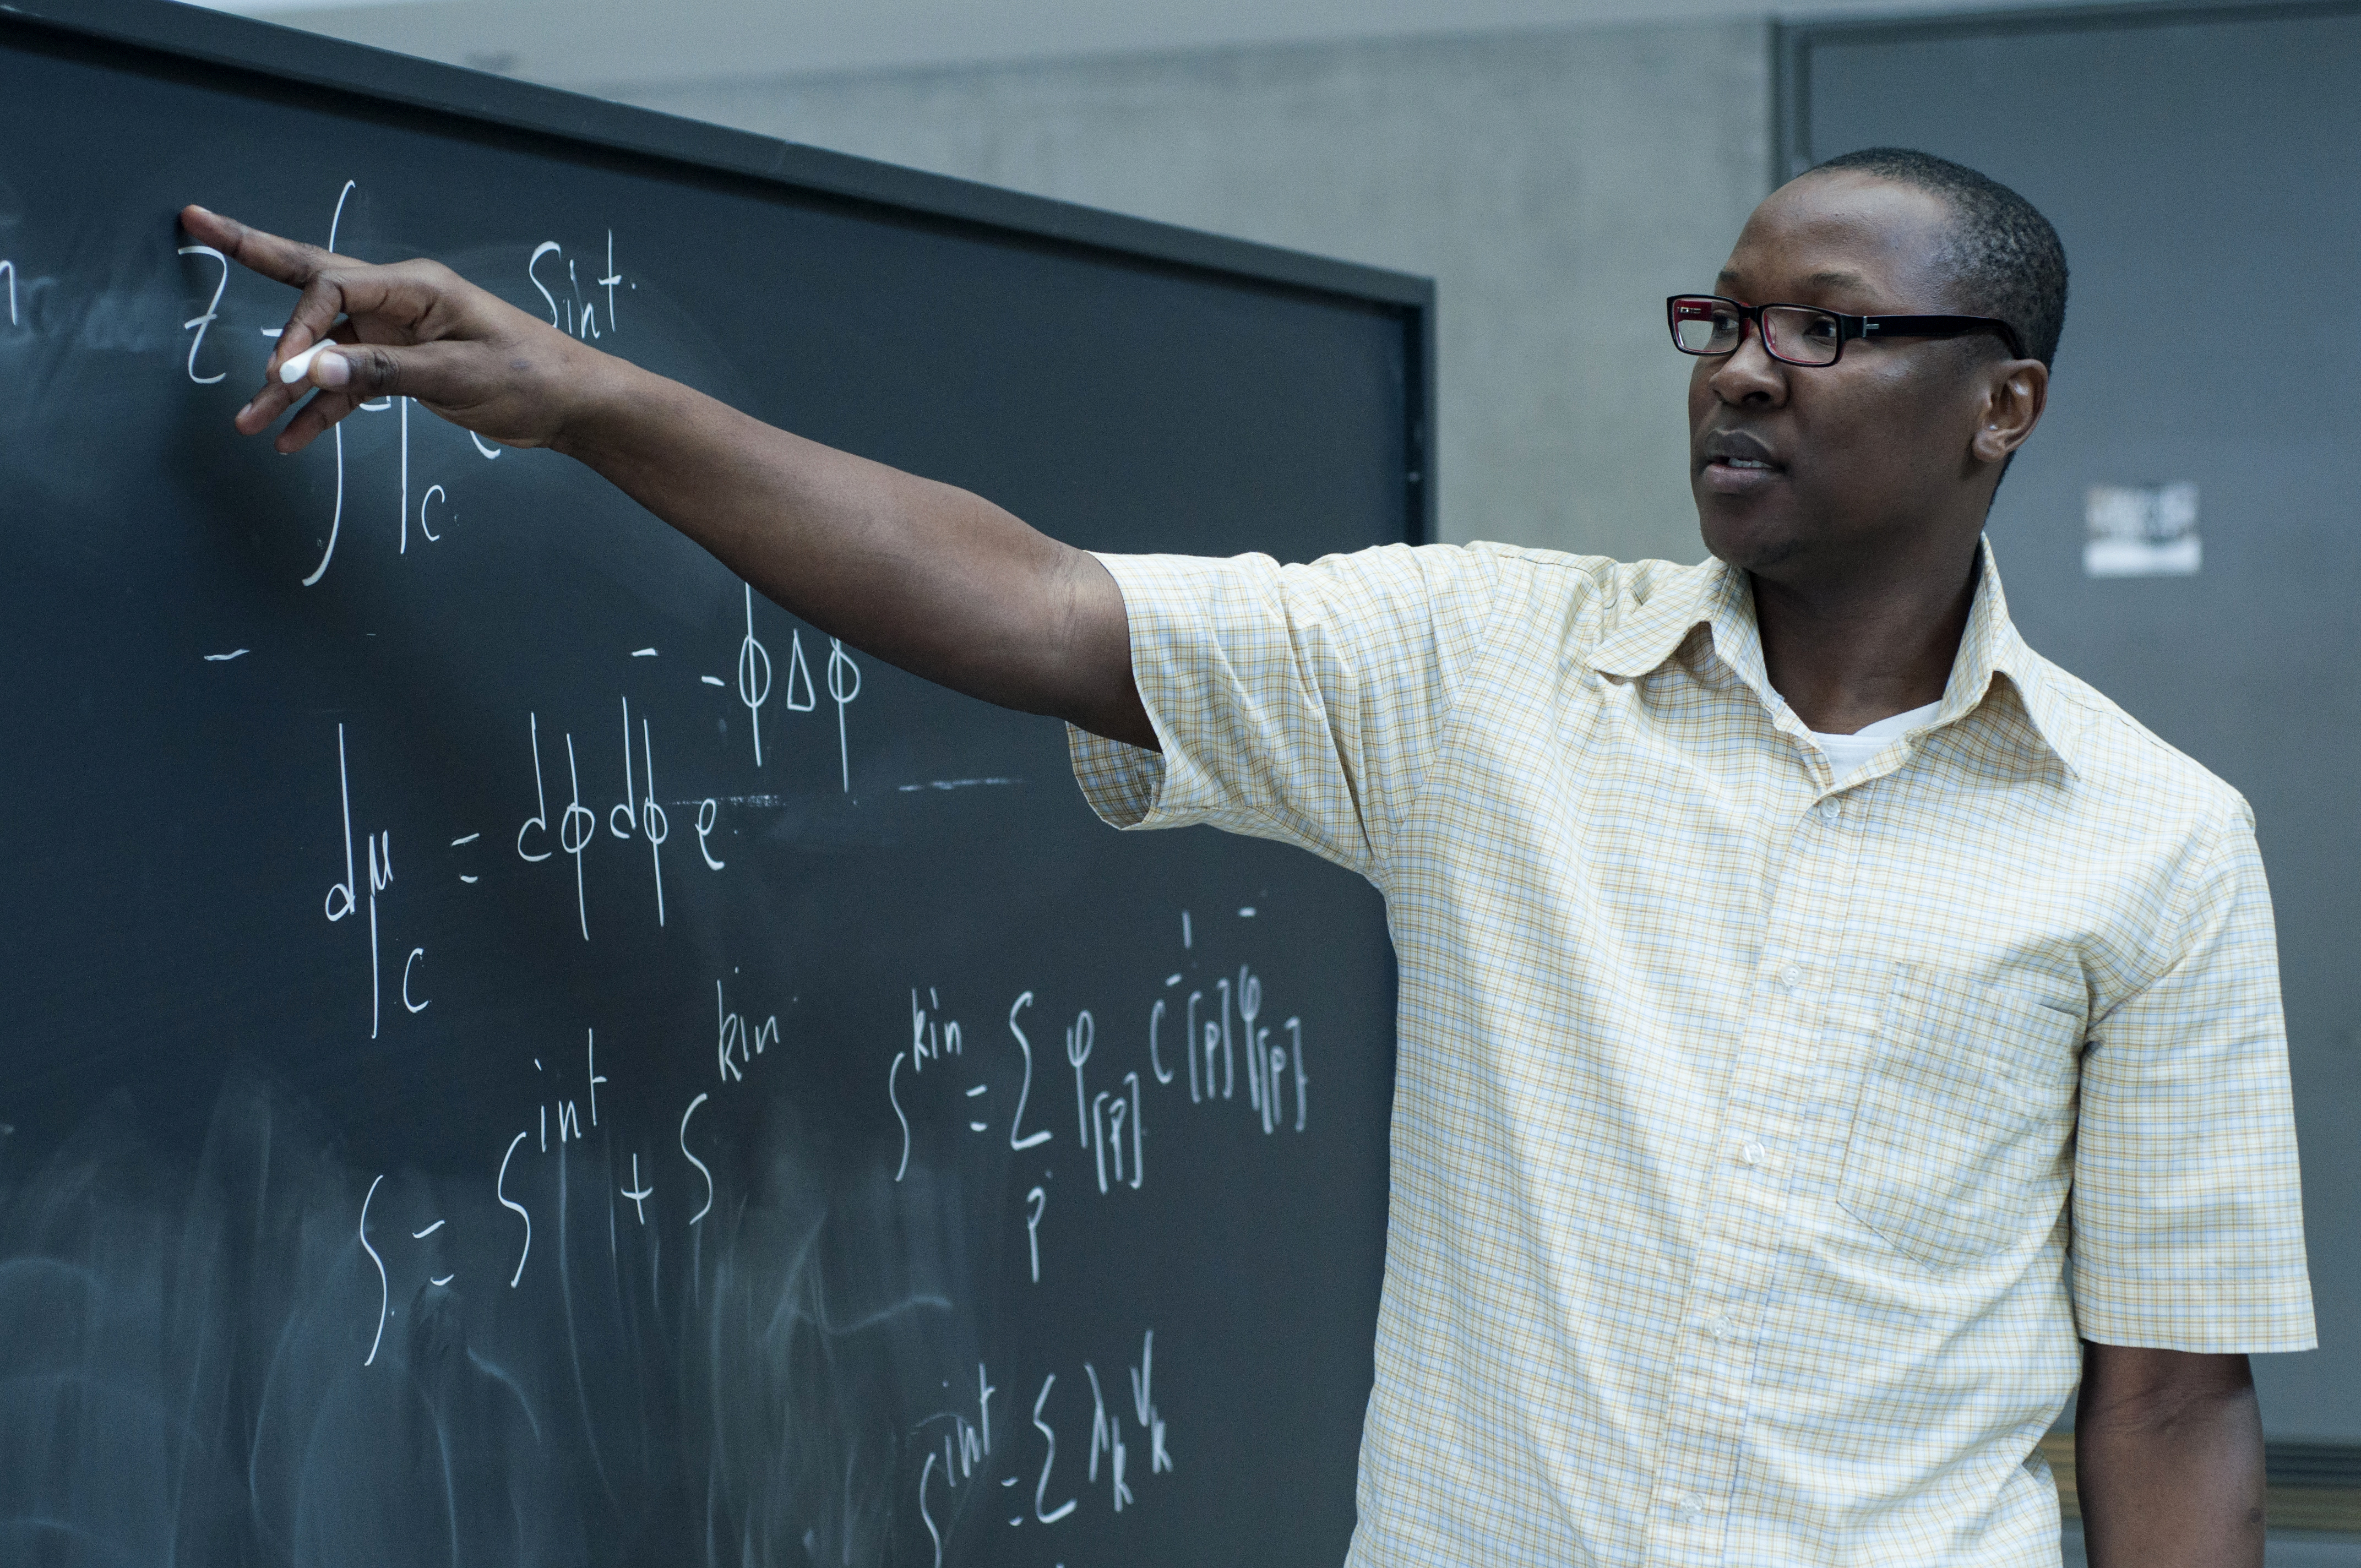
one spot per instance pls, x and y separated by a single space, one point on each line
1793 44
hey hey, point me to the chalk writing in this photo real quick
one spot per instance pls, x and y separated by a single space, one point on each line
1024 1088
501 1190
336 516
753 676
575 824
385 1292
345 896
1278 1080
702 1168
843 686
1092 1440
802 695
735 1046
574 315
196 324
640 813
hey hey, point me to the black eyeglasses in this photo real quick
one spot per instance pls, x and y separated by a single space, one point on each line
1805 335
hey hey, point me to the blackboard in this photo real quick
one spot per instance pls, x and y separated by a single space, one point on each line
513 1050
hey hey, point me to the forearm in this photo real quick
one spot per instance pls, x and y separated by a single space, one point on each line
922 575
2168 1461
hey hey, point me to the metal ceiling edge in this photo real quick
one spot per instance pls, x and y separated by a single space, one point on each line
1870 25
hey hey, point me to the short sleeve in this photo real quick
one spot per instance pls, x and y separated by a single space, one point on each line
1300 703
2187 1215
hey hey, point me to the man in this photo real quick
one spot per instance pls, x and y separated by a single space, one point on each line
1793 963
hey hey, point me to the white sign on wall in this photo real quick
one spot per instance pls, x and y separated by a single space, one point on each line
2141 530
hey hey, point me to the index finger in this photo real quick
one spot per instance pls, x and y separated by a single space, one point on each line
285 260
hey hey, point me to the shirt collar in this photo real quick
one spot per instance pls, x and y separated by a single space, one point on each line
1719 596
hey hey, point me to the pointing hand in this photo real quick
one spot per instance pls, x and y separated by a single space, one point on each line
414 329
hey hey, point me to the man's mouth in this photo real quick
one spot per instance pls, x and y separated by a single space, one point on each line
1740 448
1738 462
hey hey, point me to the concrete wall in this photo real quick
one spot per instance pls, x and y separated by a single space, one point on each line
1557 185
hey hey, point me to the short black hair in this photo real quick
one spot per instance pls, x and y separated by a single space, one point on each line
2003 257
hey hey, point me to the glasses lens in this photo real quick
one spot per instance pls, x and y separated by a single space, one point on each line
1704 325
1801 337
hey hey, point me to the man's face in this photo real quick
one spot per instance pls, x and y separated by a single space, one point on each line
1800 472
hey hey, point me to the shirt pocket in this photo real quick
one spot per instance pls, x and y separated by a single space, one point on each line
1960 1139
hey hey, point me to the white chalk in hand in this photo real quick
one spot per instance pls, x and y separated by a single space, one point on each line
293 370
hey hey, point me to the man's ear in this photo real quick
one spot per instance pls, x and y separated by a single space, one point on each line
2015 393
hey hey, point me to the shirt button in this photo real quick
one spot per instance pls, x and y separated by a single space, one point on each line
1790 977
1831 810
1689 1509
1753 1153
1724 1327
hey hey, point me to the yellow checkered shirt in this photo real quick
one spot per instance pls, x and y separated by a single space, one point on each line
1746 1117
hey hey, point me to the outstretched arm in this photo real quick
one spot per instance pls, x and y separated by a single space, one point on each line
2168 1459
925 576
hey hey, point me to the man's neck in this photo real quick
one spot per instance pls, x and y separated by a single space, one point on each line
1848 654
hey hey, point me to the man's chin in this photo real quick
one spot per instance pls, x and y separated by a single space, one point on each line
1752 538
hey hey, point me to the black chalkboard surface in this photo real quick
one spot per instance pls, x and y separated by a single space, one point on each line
514 1051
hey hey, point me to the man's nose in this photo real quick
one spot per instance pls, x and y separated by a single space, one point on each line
1748 373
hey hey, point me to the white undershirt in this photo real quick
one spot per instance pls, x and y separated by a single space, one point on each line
1846 752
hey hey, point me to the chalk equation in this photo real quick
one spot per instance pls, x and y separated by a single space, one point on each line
942 1090
968 1461
1061 1442
568 813
754 687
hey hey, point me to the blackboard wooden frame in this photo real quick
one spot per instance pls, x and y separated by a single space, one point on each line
356 70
